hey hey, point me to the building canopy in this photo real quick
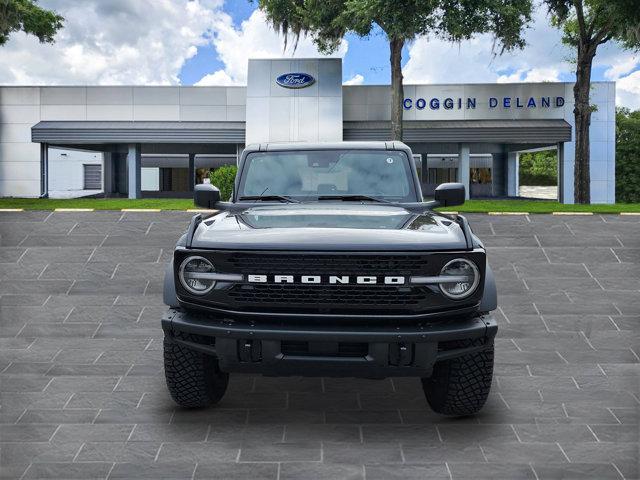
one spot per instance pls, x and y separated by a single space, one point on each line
434 131
90 132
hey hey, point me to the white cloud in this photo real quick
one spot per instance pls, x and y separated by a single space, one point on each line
531 75
434 60
114 42
622 65
621 69
545 58
357 79
254 39
219 77
542 75
143 42
628 91
514 77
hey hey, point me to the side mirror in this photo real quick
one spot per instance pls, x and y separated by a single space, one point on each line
450 194
206 196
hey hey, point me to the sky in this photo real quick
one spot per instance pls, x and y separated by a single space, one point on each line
208 42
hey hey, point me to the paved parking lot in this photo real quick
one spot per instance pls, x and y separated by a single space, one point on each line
83 392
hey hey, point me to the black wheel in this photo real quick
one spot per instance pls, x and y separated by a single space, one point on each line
460 386
193 378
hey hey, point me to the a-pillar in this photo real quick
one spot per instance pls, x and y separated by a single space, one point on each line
464 152
513 166
192 171
133 170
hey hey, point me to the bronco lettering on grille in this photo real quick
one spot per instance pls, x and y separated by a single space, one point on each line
328 279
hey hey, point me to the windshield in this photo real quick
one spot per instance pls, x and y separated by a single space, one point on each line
333 173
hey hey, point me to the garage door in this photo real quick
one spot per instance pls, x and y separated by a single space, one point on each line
93 177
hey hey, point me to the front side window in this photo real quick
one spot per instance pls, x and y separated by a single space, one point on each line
315 173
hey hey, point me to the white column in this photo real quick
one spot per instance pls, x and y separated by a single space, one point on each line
463 166
133 170
513 165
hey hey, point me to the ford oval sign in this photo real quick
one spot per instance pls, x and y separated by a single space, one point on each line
295 80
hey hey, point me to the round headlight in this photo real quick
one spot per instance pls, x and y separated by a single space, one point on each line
465 278
195 275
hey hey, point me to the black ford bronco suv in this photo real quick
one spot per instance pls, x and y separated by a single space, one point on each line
327 262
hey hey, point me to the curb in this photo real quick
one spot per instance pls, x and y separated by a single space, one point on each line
508 213
630 213
11 209
74 210
571 213
152 210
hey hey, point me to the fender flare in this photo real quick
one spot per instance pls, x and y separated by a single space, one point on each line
489 300
169 296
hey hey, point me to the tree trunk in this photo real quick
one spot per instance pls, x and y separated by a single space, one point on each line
397 89
582 115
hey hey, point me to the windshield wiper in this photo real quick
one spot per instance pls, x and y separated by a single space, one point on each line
354 198
282 198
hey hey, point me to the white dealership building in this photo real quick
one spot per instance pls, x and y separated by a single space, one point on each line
148 141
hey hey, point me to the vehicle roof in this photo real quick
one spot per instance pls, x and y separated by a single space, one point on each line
276 146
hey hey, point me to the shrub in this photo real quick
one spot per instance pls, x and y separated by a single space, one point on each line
224 178
627 156
539 168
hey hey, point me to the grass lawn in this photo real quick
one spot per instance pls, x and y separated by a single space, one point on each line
539 206
97 203
480 206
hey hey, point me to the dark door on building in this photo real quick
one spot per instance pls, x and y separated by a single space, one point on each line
436 176
480 182
174 179
92 177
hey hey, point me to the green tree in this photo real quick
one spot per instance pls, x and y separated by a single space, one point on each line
539 168
28 17
587 24
328 21
627 156
224 178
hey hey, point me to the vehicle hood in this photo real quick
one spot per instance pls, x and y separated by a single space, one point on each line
329 227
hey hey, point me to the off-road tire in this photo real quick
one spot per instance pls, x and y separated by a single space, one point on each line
460 386
193 378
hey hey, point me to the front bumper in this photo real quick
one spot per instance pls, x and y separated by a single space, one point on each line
282 348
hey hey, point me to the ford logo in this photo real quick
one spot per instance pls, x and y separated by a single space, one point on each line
295 80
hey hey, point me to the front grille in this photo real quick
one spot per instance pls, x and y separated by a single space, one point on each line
321 295
316 264
325 298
